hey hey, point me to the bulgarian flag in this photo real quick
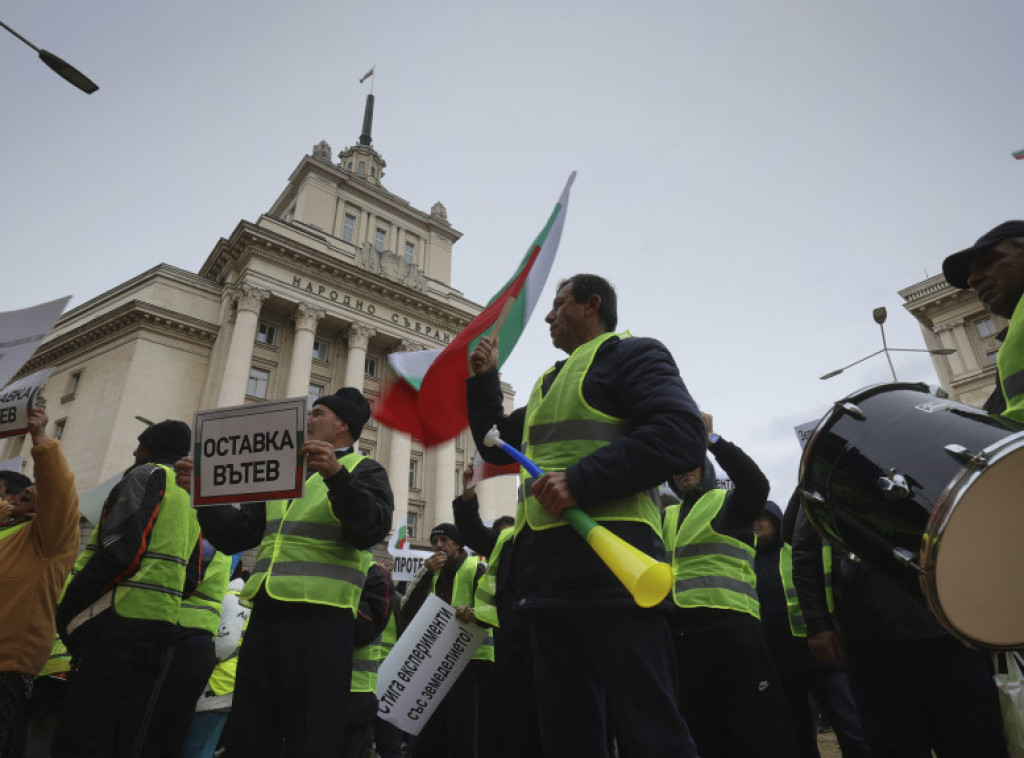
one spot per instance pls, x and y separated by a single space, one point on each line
1019 155
428 397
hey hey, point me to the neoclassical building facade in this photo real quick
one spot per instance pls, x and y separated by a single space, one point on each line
312 296
954 318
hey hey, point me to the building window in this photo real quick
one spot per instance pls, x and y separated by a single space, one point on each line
410 252
266 334
986 327
58 428
411 524
368 452
72 386
320 350
316 391
381 239
258 382
992 357
362 167
373 171
371 423
350 165
349 232
370 366
414 473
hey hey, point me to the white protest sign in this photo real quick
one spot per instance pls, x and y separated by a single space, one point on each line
17 399
408 562
424 663
804 432
249 452
22 331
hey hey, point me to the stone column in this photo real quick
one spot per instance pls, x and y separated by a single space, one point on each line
443 460
398 472
358 340
306 318
236 368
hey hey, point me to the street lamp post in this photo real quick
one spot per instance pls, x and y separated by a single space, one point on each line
879 315
64 69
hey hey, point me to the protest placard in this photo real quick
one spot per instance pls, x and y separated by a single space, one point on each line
408 562
22 331
424 664
17 399
249 452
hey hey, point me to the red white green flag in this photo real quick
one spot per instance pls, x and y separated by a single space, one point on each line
428 397
1019 154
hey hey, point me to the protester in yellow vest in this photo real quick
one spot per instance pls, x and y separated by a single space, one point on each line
374 612
214 705
507 718
453 575
729 691
607 426
119 610
994 268
39 540
294 670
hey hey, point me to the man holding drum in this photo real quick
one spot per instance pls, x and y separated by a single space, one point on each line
994 268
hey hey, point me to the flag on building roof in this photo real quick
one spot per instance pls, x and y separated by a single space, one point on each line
368 74
427 399
1019 155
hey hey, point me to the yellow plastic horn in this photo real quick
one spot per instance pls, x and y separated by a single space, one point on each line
647 579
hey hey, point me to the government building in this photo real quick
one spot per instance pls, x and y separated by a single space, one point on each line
950 317
314 295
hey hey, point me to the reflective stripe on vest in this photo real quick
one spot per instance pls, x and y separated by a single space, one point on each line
462 594
797 623
303 556
365 660
153 591
201 610
59 661
560 428
712 570
1010 362
484 604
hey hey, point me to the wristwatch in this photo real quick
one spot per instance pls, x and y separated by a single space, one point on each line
713 438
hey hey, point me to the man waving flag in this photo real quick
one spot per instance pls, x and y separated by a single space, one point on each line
428 399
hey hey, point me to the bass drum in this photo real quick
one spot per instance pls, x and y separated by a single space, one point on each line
929 491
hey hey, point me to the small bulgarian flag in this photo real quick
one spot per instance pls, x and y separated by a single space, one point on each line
368 74
1019 155
428 397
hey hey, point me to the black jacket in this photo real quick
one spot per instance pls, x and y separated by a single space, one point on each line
869 604
635 379
361 500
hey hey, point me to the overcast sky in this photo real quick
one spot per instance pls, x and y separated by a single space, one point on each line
754 177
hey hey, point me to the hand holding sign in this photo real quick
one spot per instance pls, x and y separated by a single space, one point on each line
183 473
37 420
321 458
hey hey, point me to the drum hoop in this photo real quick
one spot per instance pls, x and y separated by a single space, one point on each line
931 539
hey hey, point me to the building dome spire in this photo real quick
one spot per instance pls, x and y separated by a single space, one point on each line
365 138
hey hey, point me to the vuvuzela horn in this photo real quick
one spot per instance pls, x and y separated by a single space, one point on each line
647 580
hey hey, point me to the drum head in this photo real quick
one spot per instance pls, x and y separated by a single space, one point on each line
973 552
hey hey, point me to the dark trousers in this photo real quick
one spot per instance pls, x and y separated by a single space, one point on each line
119 666
388 739
15 691
917 696
587 661
292 685
188 663
517 725
731 696
801 676
451 731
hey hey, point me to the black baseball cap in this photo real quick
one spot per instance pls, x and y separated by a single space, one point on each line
957 266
